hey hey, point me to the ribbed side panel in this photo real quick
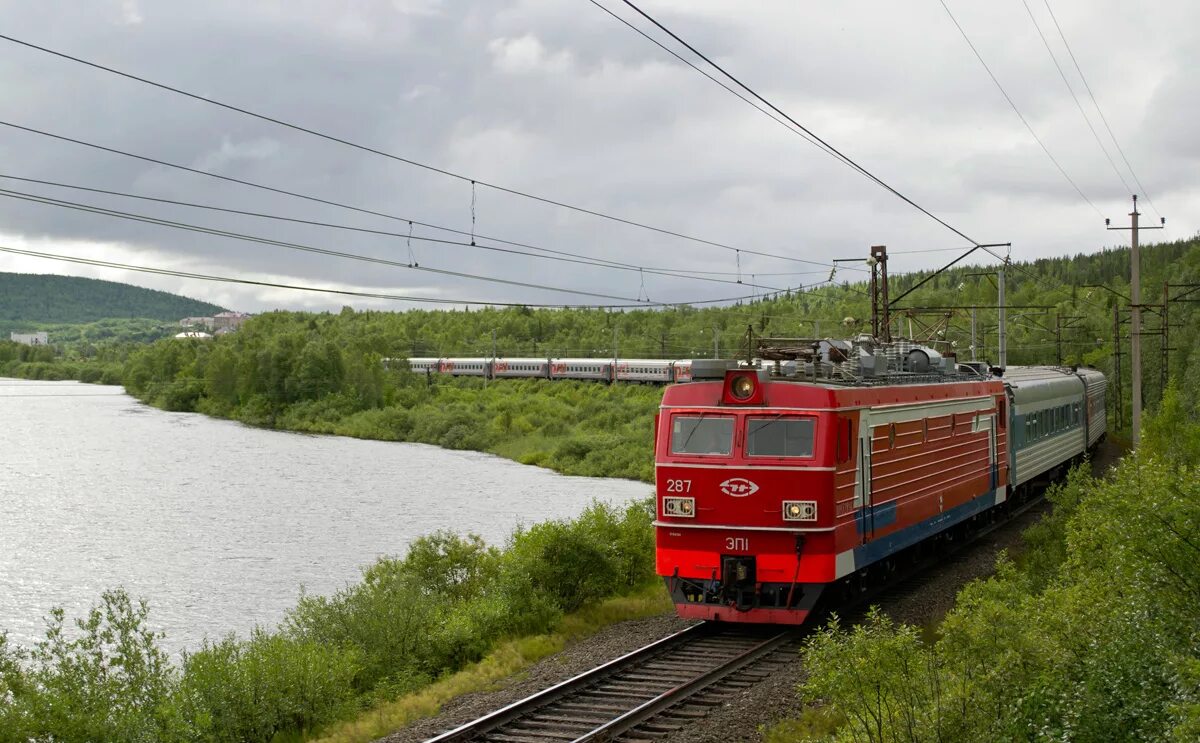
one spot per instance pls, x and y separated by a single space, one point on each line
1096 385
1097 426
1034 459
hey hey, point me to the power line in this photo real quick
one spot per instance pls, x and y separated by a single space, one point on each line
557 255
1099 110
1016 110
291 245
314 199
825 146
697 68
352 293
389 155
1074 97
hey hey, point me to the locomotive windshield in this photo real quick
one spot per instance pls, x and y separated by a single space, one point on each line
701 434
779 437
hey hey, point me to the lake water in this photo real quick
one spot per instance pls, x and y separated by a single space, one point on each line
217 524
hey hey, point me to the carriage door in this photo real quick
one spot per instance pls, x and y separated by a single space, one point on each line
862 490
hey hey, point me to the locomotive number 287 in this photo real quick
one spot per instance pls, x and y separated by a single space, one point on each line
679 486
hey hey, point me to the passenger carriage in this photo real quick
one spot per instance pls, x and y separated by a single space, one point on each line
643 370
424 365
467 367
595 369
681 370
536 368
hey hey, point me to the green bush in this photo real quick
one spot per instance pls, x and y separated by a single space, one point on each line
250 690
385 619
110 682
602 552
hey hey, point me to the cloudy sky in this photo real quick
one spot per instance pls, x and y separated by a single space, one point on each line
558 99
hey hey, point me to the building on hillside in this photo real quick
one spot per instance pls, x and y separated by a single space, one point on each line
194 335
232 320
224 331
194 322
30 339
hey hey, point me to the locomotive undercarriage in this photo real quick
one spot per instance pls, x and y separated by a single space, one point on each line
735 588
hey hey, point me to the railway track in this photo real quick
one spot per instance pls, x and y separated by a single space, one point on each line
674 682
643 695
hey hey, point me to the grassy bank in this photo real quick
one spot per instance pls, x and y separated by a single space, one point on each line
450 616
1092 635
291 372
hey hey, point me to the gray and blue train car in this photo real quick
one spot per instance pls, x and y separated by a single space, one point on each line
1056 415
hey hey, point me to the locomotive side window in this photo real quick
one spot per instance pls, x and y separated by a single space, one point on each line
698 434
779 437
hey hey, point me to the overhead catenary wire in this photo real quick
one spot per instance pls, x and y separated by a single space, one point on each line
1099 110
1016 110
309 197
862 170
766 112
811 136
295 246
1086 119
556 255
375 295
391 156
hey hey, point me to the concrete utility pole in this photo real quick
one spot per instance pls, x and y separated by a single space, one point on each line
1119 407
716 343
1135 323
614 344
1002 343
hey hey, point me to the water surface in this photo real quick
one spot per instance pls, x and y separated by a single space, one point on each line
218 524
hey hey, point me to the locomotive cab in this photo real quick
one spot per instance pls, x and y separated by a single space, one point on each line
745 499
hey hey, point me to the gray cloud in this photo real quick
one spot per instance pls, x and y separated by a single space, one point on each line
558 99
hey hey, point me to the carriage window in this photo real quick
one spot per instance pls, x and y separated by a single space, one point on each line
779 437
700 434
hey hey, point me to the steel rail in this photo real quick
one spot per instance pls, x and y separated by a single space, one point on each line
615 728
576 683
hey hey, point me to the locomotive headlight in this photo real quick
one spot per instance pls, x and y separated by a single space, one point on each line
799 510
742 387
680 507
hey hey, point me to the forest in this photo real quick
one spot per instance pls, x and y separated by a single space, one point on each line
40 301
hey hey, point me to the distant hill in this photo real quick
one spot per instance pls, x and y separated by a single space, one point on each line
45 299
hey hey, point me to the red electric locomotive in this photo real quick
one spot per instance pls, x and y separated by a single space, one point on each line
776 483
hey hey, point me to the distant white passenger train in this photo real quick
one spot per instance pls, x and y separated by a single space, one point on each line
650 371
